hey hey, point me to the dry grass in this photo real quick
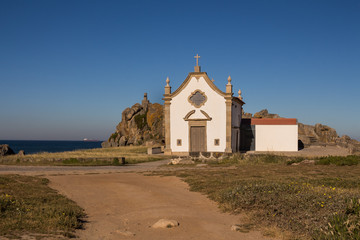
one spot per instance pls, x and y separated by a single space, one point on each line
97 156
28 206
310 201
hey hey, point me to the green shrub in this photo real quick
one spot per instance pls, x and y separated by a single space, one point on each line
71 161
339 161
140 121
116 161
113 136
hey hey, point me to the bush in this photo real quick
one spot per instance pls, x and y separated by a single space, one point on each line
71 161
116 161
113 136
339 161
140 121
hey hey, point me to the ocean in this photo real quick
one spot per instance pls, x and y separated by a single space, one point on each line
31 146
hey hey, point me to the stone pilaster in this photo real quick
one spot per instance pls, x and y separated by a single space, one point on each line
167 99
228 102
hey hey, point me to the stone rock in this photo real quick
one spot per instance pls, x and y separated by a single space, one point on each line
165 223
351 144
21 153
180 161
125 233
235 228
265 114
139 124
122 141
326 134
201 165
5 150
304 162
246 115
105 144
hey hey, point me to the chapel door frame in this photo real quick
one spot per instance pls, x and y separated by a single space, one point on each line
198 123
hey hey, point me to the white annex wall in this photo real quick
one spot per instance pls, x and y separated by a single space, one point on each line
214 106
276 137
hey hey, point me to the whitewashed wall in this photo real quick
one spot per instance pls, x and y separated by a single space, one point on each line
214 107
276 137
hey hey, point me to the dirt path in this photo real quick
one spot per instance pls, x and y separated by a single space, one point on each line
120 202
54 170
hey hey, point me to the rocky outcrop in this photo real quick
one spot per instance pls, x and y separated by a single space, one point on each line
262 114
319 133
5 150
141 124
265 114
346 142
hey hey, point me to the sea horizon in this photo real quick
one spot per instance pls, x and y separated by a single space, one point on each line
37 146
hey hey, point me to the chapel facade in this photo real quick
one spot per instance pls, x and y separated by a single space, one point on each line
199 117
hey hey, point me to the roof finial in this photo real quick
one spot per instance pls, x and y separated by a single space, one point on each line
167 87
197 67
229 86
240 97
229 80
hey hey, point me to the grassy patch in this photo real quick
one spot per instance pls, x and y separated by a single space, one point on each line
345 225
28 205
89 157
339 160
254 159
311 201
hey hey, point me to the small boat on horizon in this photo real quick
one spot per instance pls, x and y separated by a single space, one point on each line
90 140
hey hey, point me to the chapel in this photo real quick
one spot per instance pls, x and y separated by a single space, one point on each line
199 117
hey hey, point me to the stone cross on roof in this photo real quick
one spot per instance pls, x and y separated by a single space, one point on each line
197 67
197 59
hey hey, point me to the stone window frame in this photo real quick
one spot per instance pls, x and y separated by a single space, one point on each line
193 93
178 142
217 142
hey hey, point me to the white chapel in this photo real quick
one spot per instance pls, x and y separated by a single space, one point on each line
199 117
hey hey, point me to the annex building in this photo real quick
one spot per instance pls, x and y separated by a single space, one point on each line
199 117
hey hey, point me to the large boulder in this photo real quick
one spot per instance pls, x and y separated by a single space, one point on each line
5 150
326 134
265 114
318 134
139 124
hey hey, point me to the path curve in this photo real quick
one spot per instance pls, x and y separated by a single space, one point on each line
118 204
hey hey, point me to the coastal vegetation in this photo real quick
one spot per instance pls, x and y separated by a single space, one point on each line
28 207
291 198
88 157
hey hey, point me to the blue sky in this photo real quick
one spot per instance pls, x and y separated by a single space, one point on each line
69 68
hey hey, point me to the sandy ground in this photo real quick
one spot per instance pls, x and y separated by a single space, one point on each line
132 203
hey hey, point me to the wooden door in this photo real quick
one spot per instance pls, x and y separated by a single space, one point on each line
197 139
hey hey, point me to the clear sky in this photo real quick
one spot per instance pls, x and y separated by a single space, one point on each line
69 68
